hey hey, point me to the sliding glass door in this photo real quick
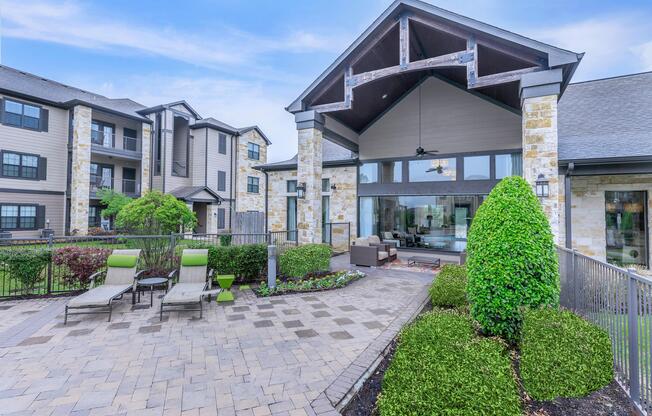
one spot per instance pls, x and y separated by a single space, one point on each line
626 227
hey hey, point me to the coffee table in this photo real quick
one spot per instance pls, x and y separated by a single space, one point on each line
152 282
430 261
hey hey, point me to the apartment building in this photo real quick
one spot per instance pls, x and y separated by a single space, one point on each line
60 145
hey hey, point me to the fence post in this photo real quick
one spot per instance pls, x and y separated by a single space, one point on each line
632 314
271 266
49 278
348 240
573 258
173 243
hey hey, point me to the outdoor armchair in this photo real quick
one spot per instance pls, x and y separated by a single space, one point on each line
121 277
365 254
193 279
388 246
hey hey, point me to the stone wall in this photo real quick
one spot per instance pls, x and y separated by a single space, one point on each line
246 201
540 153
588 209
81 170
145 163
309 172
343 201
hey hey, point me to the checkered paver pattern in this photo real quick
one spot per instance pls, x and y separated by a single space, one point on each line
253 357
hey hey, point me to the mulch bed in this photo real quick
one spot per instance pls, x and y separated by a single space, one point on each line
315 275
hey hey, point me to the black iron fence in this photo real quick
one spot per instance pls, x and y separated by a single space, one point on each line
620 302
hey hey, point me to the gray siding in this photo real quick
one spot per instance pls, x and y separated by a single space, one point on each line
55 206
453 121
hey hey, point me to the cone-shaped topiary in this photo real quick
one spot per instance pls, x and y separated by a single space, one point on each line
512 260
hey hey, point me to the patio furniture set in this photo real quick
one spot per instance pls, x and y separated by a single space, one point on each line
370 251
193 284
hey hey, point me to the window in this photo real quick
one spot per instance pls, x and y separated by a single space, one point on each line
129 139
102 133
253 151
476 168
221 180
18 217
626 227
368 173
252 184
94 219
325 219
221 143
291 219
391 172
291 186
22 115
325 185
509 165
17 165
433 170
221 215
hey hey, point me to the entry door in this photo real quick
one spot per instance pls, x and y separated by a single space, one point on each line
626 227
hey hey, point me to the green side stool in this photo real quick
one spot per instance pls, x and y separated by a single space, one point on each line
244 287
225 281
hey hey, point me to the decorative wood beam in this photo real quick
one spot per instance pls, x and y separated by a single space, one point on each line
404 41
472 66
502 77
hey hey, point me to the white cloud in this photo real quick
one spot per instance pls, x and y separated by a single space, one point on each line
70 23
235 102
614 44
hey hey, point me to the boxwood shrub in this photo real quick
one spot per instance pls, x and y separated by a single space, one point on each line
304 259
441 367
448 290
562 355
26 266
245 261
511 258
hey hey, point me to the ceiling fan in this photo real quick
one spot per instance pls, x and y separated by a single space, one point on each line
420 151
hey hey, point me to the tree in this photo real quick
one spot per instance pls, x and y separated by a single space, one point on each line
512 261
155 213
113 200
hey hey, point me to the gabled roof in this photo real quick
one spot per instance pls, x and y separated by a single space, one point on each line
244 130
194 193
212 123
160 107
556 57
28 86
606 118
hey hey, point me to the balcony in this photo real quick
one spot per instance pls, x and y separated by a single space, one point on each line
131 187
98 182
109 145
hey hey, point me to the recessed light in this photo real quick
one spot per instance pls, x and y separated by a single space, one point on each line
384 96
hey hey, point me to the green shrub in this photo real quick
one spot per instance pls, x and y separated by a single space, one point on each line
441 367
309 258
26 266
511 259
331 281
562 355
449 287
225 240
245 261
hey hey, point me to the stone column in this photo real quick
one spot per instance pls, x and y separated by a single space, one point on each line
145 162
310 125
539 95
211 218
80 170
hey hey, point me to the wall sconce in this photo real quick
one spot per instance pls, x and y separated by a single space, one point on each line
301 190
333 187
542 187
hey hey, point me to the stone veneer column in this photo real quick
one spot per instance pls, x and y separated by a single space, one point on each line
145 162
81 170
211 218
539 95
309 169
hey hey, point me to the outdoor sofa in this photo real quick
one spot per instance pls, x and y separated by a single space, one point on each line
121 277
366 253
193 280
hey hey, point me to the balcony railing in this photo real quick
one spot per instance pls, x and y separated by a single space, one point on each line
98 182
130 187
107 140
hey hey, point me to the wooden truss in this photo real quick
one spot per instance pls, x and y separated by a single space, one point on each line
466 58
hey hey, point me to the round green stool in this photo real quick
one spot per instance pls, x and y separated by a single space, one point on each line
225 281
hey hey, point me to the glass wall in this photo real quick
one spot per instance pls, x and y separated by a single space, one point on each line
433 170
626 227
434 222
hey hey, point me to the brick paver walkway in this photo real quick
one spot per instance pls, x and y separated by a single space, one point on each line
254 357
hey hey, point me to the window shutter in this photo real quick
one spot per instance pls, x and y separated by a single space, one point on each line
42 168
40 216
44 120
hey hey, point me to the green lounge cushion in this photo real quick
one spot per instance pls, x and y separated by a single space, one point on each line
194 260
122 260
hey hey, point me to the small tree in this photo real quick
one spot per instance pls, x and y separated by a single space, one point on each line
114 201
512 261
155 213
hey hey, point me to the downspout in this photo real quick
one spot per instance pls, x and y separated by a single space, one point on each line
568 206
164 141
206 160
231 200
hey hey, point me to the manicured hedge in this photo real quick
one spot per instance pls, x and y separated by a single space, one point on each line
27 266
245 261
562 355
80 262
448 290
442 368
511 259
308 258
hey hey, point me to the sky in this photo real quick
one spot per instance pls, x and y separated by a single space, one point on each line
243 62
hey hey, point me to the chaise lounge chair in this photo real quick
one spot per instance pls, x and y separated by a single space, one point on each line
192 282
120 278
